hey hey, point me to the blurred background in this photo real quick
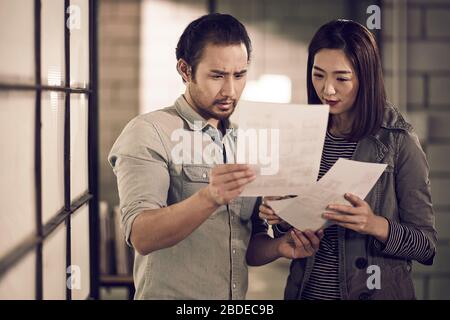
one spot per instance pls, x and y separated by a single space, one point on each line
74 72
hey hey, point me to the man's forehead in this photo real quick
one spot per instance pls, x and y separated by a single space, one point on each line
227 58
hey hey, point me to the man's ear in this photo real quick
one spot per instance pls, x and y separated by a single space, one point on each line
184 70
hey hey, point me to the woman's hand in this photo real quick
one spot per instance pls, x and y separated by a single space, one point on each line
266 213
296 244
358 217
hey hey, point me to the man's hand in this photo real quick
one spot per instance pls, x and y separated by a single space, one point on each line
227 181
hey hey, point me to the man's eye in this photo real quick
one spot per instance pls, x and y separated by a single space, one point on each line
217 76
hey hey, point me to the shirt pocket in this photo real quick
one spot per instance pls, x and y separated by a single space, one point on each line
194 178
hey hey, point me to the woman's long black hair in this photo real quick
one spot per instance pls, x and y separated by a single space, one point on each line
359 45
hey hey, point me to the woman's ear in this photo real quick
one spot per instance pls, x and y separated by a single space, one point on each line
184 70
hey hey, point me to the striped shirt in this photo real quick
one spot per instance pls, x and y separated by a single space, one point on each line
403 241
323 283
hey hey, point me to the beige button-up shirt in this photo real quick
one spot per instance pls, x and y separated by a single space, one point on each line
162 158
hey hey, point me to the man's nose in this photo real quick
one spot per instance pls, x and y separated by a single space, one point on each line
228 88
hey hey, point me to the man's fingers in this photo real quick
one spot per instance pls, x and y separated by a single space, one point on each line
236 184
229 167
233 194
233 176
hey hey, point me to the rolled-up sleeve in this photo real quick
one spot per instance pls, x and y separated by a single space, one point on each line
140 163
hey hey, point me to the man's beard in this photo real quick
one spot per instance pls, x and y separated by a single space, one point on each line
208 111
211 112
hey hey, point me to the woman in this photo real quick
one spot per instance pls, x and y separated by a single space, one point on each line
395 223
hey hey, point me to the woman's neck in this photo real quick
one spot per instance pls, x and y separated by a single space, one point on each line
341 124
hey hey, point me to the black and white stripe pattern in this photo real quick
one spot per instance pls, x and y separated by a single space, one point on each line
323 283
406 242
403 241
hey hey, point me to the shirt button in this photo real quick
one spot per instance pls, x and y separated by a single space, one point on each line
204 175
364 296
234 285
232 217
234 251
408 268
361 263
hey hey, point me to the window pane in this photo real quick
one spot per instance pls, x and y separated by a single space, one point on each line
80 252
52 154
78 144
17 39
52 42
17 189
157 71
79 43
54 264
19 282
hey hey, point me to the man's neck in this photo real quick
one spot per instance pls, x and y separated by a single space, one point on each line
216 123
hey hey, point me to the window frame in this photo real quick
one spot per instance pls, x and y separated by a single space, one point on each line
34 242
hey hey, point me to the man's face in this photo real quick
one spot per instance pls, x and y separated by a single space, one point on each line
219 79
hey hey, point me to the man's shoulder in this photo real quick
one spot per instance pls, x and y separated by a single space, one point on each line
163 115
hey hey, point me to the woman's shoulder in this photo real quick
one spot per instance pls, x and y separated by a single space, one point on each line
393 119
396 132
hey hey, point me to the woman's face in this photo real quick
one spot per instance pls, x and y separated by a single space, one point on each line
335 80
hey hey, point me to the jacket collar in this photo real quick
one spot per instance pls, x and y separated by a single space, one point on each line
392 120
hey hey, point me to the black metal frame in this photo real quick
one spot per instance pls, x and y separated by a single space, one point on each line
35 241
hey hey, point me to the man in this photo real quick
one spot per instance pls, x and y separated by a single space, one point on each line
178 186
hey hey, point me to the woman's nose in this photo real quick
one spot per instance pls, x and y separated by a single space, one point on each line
329 89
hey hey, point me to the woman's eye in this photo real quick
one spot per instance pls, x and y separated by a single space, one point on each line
317 75
343 79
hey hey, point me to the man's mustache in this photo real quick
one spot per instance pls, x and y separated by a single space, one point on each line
233 101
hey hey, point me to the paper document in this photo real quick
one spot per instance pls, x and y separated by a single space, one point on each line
305 210
284 142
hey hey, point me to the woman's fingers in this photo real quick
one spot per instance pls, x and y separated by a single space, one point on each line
320 233
313 239
266 213
271 198
266 209
302 241
298 245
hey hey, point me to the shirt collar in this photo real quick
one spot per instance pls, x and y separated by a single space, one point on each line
195 121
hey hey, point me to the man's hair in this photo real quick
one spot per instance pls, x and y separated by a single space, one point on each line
360 47
215 28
